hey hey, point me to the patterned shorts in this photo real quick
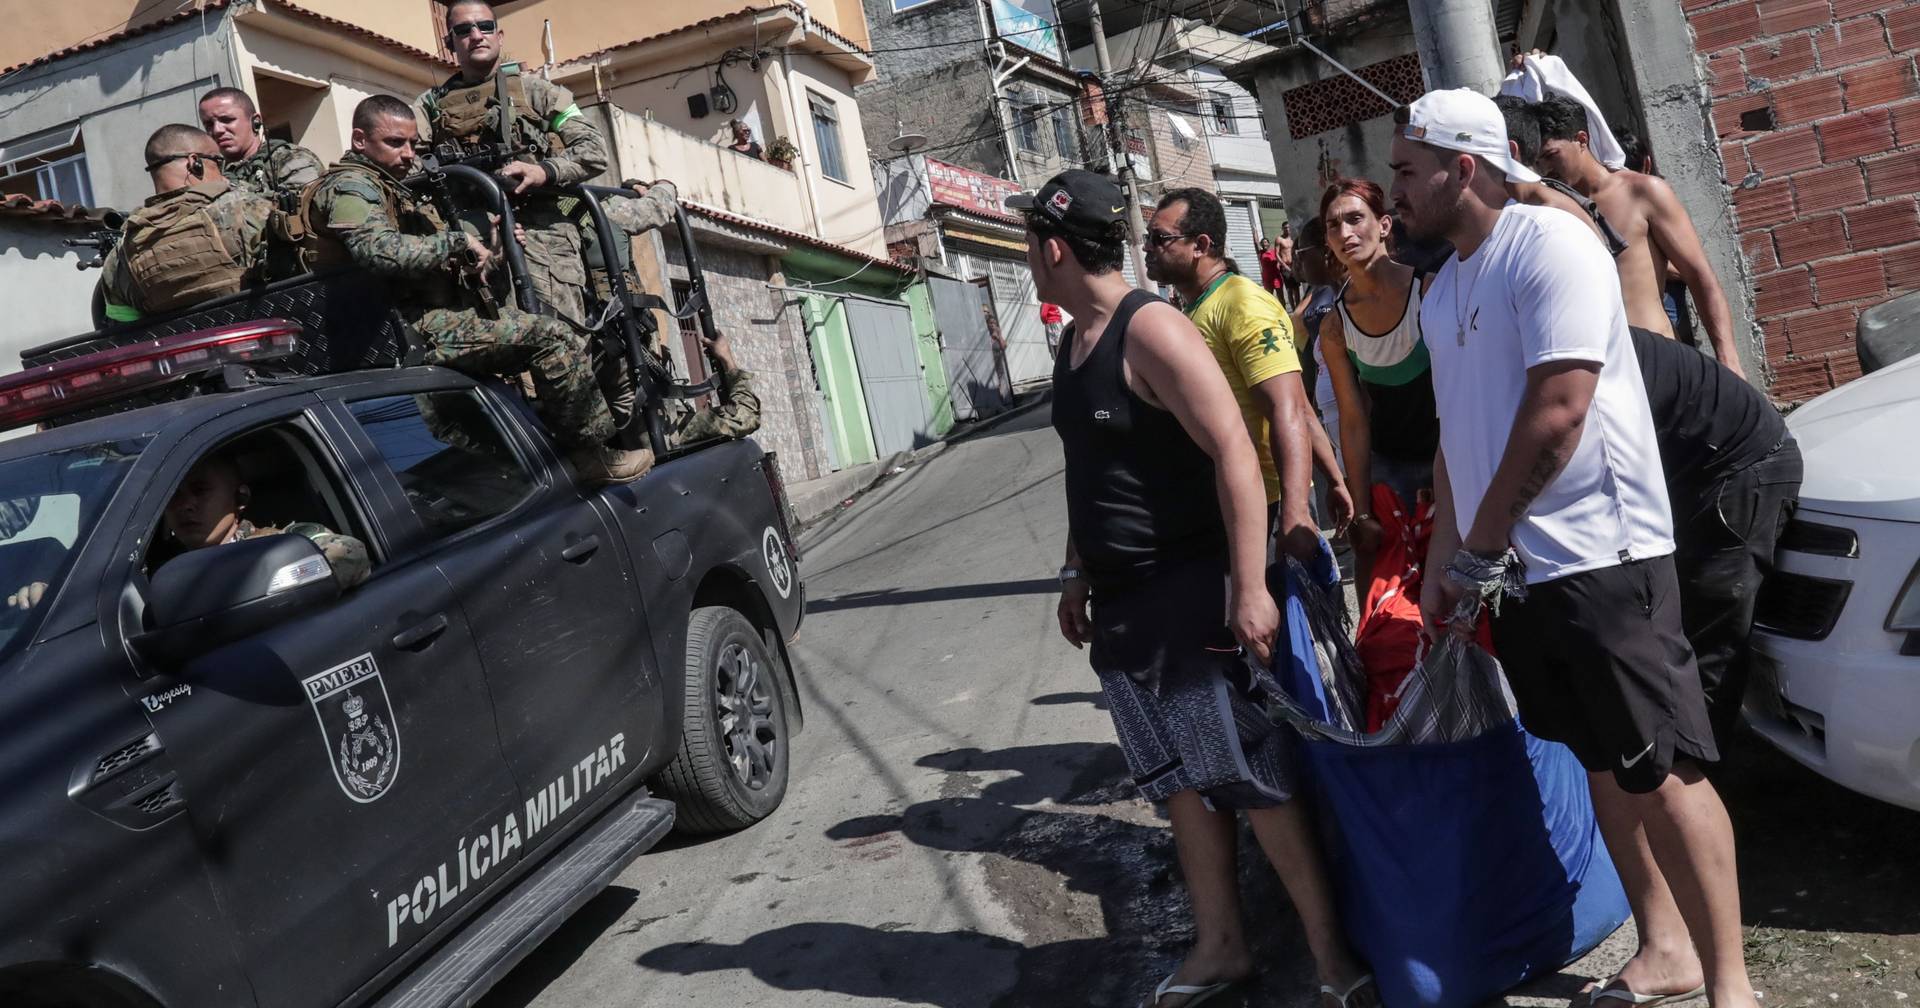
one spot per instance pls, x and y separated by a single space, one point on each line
1182 704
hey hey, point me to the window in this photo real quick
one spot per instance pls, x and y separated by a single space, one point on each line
1220 104
1027 112
48 504
826 137
1066 133
275 477
449 455
56 174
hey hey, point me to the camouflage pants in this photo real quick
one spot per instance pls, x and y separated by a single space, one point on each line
557 354
553 259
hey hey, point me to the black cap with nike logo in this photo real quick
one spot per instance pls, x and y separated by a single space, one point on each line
1077 202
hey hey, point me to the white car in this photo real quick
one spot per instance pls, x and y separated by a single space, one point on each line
1836 642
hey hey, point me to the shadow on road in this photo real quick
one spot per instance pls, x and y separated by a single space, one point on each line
1073 868
1096 698
901 966
911 596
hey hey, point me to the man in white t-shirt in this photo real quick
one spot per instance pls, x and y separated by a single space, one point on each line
1550 491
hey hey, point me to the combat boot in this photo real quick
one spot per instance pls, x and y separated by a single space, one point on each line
601 465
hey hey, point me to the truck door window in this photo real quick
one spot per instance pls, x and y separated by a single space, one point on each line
450 457
268 480
48 503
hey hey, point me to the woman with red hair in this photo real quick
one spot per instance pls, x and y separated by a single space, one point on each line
1378 364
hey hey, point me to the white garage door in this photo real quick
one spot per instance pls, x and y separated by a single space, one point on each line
1018 309
1242 239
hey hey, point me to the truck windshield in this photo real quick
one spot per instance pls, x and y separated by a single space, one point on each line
48 504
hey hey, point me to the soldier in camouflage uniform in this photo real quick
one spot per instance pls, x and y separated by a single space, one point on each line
466 109
275 169
735 416
198 238
655 204
207 509
738 412
362 213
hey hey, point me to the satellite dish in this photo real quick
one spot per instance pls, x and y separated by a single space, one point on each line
906 143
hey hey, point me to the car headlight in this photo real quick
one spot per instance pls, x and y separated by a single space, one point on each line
1906 606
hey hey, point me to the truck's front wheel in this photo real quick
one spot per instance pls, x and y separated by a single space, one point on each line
731 770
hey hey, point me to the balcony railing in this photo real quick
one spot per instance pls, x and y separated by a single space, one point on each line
706 172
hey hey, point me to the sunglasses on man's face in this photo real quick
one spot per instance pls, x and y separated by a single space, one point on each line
194 161
464 28
1155 239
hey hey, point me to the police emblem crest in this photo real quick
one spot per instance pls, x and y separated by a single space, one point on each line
357 726
779 566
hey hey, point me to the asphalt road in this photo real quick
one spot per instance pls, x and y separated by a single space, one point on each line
958 832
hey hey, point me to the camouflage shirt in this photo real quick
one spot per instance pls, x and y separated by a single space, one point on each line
640 214
352 202
346 555
586 153
240 216
735 416
276 167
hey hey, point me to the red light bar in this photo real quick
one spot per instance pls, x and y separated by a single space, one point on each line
65 386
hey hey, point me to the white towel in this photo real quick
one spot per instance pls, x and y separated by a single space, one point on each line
1540 76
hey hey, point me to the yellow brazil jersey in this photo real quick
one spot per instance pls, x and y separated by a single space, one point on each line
1252 338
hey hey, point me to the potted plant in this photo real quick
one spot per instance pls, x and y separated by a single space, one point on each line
781 152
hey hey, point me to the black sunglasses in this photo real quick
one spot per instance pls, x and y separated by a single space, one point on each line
1155 239
193 159
483 27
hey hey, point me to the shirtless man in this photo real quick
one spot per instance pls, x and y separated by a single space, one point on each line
1649 216
1523 138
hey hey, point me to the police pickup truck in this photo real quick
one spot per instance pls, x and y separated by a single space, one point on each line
233 781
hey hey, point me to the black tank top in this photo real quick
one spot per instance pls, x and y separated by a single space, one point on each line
1140 492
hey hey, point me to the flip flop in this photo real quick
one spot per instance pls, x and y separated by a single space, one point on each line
1196 995
1621 992
1342 995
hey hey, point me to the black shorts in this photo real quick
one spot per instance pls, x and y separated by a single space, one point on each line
1598 661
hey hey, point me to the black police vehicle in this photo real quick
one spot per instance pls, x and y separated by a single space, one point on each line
231 781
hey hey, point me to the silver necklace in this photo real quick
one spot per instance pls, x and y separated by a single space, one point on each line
1461 319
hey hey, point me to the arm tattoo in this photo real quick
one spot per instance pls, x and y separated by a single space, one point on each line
1545 467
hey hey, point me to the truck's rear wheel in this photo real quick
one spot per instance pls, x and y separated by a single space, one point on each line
731 770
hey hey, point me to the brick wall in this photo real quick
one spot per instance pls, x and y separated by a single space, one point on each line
768 341
1822 99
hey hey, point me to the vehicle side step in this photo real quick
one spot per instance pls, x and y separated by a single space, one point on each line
496 940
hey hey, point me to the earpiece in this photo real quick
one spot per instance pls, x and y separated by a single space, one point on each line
258 125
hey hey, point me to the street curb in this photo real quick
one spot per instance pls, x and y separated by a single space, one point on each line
816 502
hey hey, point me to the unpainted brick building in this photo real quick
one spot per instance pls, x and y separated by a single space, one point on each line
1821 98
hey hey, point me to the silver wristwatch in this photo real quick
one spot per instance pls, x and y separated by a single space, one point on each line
1071 574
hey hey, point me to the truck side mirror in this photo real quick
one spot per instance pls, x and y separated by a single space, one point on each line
206 598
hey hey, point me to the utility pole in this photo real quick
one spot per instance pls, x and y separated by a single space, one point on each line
1459 46
1117 151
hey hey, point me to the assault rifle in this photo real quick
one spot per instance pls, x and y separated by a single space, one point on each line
488 157
101 241
434 184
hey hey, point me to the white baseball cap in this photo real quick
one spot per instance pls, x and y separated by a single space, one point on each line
1464 120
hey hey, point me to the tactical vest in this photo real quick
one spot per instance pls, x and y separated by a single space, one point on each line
321 249
470 114
175 254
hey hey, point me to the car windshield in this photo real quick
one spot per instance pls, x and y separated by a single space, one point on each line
48 504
